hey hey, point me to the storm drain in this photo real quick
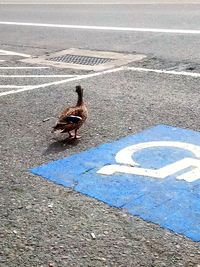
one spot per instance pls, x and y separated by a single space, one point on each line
83 60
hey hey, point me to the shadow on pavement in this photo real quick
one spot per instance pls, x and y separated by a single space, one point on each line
60 145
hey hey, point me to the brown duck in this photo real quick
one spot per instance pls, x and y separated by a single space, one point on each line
72 118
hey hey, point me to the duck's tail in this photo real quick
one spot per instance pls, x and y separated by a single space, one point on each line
58 127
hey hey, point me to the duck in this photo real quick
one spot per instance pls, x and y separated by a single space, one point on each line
72 118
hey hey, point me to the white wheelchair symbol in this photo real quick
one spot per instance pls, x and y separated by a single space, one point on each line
129 166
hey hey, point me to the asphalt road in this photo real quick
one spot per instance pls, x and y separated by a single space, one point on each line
168 46
43 224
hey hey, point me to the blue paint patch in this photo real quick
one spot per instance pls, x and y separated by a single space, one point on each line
172 203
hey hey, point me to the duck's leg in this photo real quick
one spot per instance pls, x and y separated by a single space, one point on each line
76 135
70 135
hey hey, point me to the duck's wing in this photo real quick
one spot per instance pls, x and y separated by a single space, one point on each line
73 119
66 112
69 118
70 115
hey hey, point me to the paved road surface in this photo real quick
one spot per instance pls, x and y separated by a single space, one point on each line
43 224
164 45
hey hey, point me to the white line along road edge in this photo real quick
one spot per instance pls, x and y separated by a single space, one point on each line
87 27
82 77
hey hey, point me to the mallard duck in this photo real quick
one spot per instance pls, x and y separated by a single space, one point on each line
72 118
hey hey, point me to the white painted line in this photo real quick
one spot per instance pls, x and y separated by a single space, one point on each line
11 53
22 68
37 76
102 3
82 77
11 86
175 31
183 73
2 60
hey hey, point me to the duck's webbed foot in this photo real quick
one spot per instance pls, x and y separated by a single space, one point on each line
71 135
76 136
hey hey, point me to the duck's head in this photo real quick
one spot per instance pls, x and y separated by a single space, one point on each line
79 90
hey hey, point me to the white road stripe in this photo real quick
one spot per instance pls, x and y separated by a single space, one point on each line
102 3
37 76
11 86
183 73
82 77
11 53
22 68
175 31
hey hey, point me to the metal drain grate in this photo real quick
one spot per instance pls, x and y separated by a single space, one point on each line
87 60
82 60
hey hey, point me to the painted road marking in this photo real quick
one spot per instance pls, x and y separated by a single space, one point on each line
22 68
102 3
132 167
11 53
170 201
104 28
79 77
37 76
11 86
183 73
82 77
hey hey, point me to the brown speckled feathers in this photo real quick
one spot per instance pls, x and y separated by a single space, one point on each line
72 118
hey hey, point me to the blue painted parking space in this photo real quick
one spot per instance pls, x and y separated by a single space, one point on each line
154 174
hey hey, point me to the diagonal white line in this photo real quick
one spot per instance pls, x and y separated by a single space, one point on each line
87 27
80 77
